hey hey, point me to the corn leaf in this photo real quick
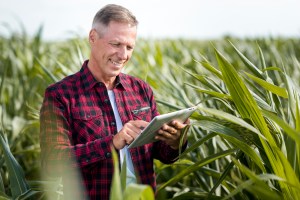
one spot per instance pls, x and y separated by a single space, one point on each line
2 189
293 133
256 184
18 183
210 68
197 144
123 174
196 167
269 87
248 108
138 192
213 93
230 118
3 196
233 137
294 95
48 72
204 79
248 64
116 188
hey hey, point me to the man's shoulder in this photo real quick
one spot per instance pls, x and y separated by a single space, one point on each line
134 81
64 83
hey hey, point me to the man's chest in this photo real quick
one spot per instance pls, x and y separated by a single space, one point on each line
92 116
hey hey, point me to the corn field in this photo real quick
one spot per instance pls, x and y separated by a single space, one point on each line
244 138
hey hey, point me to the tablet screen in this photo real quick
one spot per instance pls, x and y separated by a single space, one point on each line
149 132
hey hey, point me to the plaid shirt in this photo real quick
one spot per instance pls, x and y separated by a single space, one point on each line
77 126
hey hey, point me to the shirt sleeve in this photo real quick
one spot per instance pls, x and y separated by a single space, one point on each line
58 154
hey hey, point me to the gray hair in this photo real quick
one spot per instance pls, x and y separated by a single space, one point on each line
113 12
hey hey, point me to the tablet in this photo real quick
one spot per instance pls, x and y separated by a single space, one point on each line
148 134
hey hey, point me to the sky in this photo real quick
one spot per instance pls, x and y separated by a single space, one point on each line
194 19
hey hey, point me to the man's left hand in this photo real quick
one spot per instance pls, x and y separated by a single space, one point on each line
170 133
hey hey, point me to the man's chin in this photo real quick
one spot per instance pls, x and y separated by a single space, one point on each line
114 74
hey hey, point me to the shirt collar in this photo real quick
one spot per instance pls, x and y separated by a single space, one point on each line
89 81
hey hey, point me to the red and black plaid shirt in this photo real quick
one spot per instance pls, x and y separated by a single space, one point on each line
77 127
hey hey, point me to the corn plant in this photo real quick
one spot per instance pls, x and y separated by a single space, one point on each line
243 140
246 112
120 191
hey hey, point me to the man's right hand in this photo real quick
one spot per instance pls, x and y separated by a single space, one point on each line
128 133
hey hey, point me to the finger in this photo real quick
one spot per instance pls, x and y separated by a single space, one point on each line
133 127
139 123
169 129
177 125
167 135
129 132
128 138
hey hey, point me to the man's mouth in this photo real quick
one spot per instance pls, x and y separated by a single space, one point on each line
116 63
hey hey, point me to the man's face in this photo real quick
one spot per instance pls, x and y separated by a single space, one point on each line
111 49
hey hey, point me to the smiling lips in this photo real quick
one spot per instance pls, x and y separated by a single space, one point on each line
117 65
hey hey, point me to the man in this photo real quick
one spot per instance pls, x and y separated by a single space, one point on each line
98 108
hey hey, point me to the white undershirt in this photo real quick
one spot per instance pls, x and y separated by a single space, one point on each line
131 178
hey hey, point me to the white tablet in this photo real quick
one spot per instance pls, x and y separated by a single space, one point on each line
148 134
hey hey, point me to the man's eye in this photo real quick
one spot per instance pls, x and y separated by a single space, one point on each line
115 44
129 48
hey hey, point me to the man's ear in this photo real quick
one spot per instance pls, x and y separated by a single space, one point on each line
92 36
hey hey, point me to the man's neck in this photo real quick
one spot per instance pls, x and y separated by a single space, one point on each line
109 82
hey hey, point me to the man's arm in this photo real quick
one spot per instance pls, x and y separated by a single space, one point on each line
57 150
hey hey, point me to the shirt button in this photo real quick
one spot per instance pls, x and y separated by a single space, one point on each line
108 155
87 160
106 100
113 123
88 116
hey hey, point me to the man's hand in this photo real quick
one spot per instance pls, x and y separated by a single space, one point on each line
128 133
170 133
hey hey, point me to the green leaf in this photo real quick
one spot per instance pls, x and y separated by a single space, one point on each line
205 80
124 174
294 95
2 189
248 108
116 188
139 192
4 197
30 194
268 86
293 133
256 184
230 118
233 137
197 144
210 68
213 93
196 167
196 195
18 183
248 63
48 72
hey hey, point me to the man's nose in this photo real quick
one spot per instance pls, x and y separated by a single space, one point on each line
123 53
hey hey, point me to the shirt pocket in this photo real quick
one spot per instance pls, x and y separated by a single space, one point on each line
88 124
142 112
